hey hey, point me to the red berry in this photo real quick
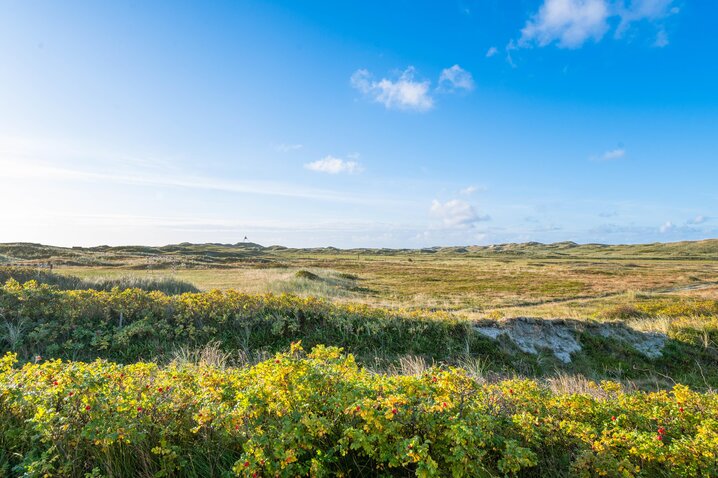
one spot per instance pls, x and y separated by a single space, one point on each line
55 383
613 418
444 404
159 389
358 408
433 379
680 409
139 409
511 390
88 408
659 437
246 464
395 411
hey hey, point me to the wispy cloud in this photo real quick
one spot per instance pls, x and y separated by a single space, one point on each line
661 39
25 161
667 226
455 213
572 23
511 46
286 148
617 153
468 190
491 52
643 10
611 155
403 93
333 165
700 219
455 78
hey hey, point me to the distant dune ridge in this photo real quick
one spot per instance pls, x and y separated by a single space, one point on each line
216 254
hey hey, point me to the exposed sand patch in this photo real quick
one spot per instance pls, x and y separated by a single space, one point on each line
561 336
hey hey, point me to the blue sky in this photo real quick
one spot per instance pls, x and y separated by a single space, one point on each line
382 124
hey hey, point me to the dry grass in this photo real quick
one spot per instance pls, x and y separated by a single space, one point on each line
476 367
660 324
412 365
212 355
477 287
565 383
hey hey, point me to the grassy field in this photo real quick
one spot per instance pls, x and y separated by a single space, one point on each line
476 285
183 361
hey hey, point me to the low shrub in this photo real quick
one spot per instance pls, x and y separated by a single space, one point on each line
319 414
132 324
304 274
167 285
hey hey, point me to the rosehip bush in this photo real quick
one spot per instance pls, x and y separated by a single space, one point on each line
320 414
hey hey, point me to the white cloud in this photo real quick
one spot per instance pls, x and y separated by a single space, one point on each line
491 52
469 190
667 226
286 148
455 213
456 78
571 23
332 165
404 93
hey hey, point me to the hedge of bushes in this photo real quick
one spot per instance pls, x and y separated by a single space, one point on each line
319 414
132 324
